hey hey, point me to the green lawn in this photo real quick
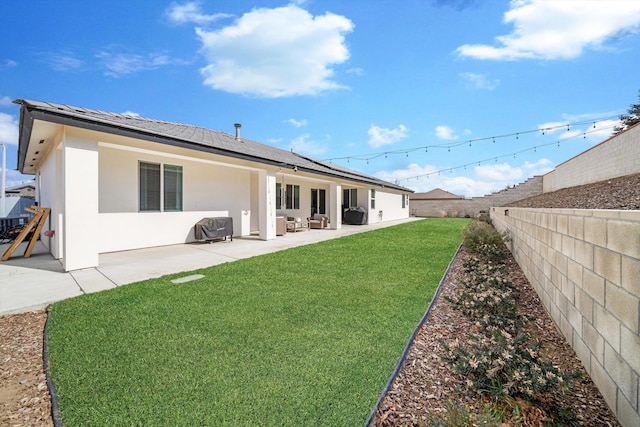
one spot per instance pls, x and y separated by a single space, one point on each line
302 337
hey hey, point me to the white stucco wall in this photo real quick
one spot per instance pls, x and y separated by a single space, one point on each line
90 180
80 206
209 190
46 188
391 206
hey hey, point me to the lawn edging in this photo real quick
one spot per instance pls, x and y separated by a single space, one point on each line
55 407
405 352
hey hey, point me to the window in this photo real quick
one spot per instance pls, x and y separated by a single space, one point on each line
278 195
404 201
149 187
373 198
350 198
172 188
293 196
318 201
156 192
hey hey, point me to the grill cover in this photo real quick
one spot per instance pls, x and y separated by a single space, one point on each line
355 216
214 228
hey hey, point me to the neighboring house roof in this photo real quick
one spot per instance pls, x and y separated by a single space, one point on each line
26 190
175 134
436 194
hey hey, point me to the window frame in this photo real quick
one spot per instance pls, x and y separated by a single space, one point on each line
350 197
319 201
153 177
292 196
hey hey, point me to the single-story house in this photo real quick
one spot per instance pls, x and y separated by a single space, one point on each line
435 194
22 190
116 182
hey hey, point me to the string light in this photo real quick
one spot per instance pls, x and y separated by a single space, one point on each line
479 163
449 146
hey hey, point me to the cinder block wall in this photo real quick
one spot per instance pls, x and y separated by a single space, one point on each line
585 266
617 156
455 208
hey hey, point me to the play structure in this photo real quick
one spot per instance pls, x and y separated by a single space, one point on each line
31 231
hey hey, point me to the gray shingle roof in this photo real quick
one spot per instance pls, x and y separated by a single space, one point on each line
178 134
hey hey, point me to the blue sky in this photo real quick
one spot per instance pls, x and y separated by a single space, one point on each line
468 96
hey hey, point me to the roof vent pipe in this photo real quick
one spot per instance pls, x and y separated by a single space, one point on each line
237 126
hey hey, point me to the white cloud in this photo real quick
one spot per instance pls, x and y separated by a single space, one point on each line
131 113
480 81
16 178
276 52
297 123
302 145
446 133
547 30
8 63
191 12
379 137
63 61
8 129
595 132
553 127
5 101
121 64
484 180
356 71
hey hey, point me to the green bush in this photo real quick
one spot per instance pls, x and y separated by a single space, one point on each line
482 239
504 364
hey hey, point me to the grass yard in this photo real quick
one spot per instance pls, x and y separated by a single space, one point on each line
302 337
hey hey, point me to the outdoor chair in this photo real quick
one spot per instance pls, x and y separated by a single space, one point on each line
318 221
296 224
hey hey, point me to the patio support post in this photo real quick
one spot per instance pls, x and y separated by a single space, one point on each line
335 206
267 205
80 241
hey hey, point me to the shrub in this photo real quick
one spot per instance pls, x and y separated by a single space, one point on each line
481 238
493 303
487 296
503 364
484 216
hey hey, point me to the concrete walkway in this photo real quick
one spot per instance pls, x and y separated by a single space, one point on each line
32 283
